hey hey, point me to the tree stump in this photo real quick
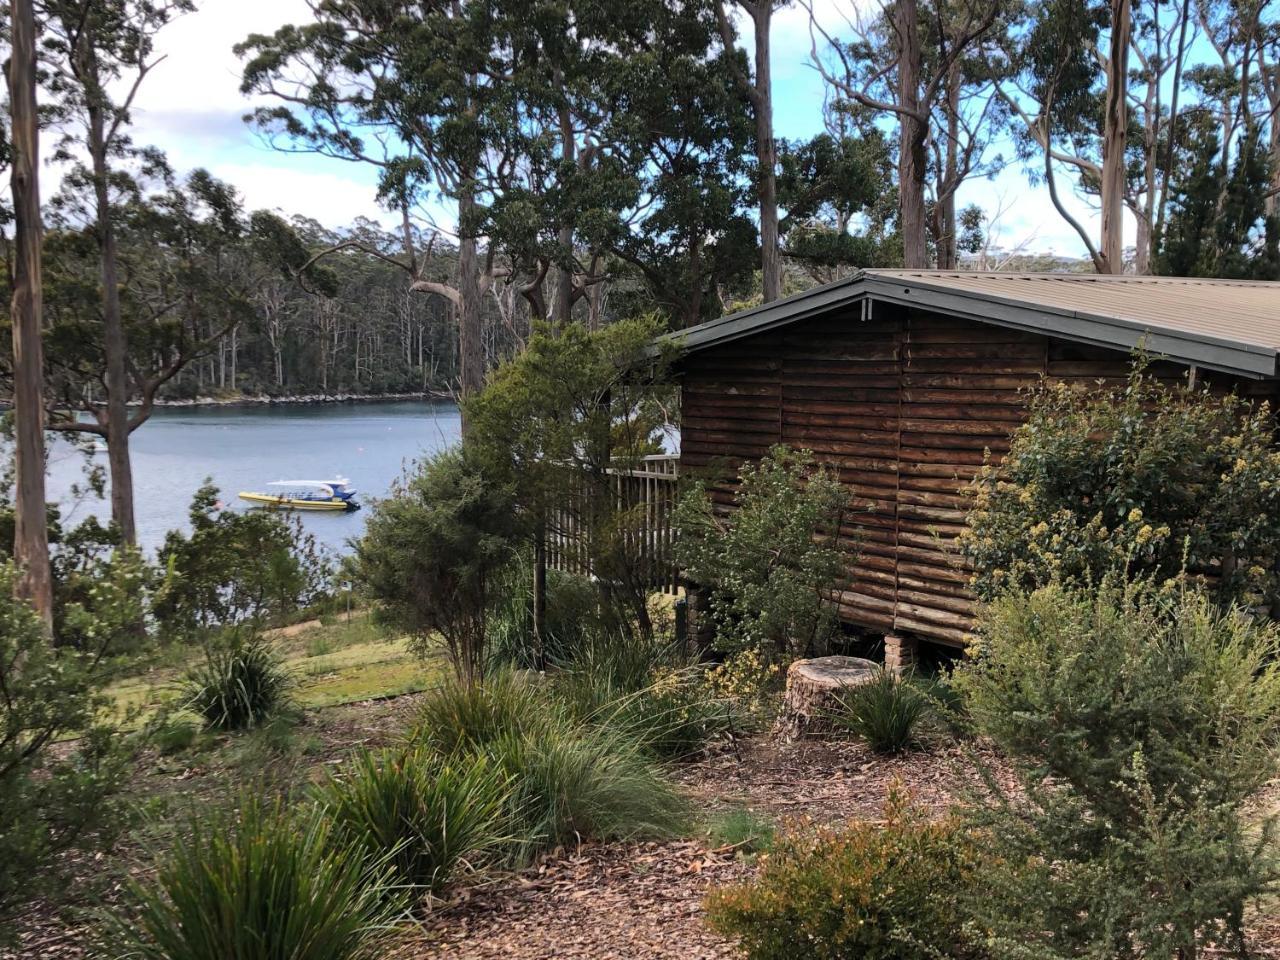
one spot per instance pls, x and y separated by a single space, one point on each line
813 687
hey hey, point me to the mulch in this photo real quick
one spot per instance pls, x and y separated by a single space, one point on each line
620 901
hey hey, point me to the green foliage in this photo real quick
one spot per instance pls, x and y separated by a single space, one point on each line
429 813
568 780
886 712
173 734
50 800
771 562
745 832
233 568
652 692
551 424
890 891
572 618
239 686
260 883
1146 478
1218 224
433 552
1140 723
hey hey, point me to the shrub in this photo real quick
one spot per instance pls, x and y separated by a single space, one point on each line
770 563
237 687
647 689
572 783
232 568
568 780
1147 478
258 885
572 618
432 553
555 419
1140 723
458 718
890 891
885 711
51 800
429 812
173 734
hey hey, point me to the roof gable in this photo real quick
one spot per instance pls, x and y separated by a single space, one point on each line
1228 325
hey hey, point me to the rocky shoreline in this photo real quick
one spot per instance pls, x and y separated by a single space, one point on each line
307 398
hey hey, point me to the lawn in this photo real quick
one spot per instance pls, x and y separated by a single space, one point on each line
342 661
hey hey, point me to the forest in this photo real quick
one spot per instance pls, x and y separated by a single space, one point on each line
556 161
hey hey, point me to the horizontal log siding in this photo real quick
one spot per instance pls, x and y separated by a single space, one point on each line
904 407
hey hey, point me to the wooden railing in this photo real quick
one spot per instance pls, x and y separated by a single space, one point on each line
644 500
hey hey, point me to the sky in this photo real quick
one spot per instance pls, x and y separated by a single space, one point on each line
191 107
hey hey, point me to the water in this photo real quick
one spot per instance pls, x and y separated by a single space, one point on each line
245 448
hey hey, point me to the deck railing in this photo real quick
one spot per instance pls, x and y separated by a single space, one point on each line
645 497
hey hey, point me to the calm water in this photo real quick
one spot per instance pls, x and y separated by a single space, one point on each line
244 448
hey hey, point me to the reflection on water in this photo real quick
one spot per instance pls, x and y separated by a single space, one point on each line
244 448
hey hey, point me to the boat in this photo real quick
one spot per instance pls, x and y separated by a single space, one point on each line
330 495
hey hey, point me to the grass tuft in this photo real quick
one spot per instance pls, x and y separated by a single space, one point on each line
239 687
885 712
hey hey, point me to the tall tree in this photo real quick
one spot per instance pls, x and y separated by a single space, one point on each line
97 47
910 86
1068 96
758 86
411 87
31 539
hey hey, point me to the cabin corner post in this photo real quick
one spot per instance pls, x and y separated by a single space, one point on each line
900 653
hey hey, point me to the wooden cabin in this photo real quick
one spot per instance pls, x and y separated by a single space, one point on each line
902 380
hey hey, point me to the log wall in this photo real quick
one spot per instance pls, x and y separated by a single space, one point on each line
904 407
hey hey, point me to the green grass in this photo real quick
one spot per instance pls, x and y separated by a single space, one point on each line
331 664
743 831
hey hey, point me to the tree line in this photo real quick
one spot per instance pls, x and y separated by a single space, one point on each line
585 160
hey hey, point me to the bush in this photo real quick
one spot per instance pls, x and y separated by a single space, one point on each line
432 553
1141 723
871 892
770 563
648 690
1145 479
568 780
238 687
233 568
572 618
429 813
260 885
885 711
51 800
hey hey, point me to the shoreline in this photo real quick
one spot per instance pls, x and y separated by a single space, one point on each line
255 400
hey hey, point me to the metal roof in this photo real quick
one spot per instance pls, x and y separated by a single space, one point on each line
1231 325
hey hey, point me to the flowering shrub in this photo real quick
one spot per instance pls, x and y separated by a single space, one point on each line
771 561
1148 479
876 891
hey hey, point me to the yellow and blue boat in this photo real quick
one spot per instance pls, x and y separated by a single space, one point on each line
330 495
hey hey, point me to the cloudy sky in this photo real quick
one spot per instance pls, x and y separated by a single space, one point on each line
191 107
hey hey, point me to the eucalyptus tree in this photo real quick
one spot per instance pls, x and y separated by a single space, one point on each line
415 89
758 87
97 54
190 264
928 42
838 191
31 535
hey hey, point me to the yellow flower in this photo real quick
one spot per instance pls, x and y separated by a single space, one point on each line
1135 515
1145 533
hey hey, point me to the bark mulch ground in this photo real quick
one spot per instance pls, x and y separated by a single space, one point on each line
597 902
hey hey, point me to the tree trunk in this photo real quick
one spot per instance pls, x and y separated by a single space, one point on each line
470 330
766 154
31 538
562 303
1114 131
911 149
115 347
948 257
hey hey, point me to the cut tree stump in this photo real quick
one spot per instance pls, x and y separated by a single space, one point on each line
813 687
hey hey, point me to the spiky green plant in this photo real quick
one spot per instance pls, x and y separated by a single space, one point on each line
238 687
431 813
263 883
885 711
